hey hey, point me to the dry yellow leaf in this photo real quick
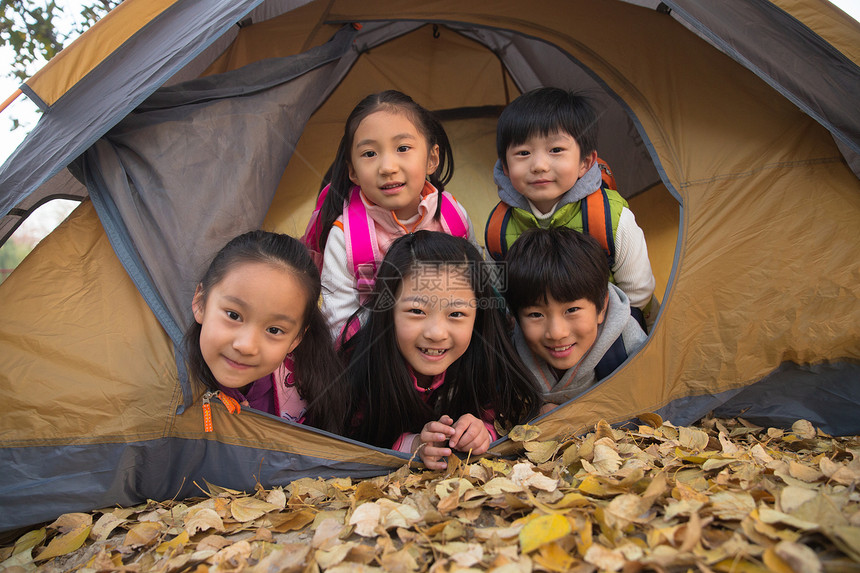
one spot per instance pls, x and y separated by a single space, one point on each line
327 534
554 558
494 465
623 510
604 558
606 460
540 452
523 474
732 505
365 518
768 515
652 419
245 509
331 557
524 433
397 514
500 485
729 448
399 562
277 497
29 540
692 439
202 519
794 556
804 472
142 534
803 429
285 559
105 525
66 542
292 520
542 530
177 542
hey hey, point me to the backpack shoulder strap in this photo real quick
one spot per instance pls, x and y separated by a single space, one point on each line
597 221
362 247
453 218
613 358
494 234
606 176
313 231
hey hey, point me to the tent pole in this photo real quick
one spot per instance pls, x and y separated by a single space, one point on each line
10 99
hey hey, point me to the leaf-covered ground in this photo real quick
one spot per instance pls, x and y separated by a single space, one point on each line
723 496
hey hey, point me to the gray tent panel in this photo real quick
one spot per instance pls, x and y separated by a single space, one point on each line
69 478
148 60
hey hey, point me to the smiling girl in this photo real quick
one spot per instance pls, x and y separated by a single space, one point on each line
433 368
258 335
387 180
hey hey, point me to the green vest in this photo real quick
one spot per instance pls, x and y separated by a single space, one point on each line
506 223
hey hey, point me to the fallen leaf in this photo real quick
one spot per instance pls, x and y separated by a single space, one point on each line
66 542
105 525
177 542
732 505
327 534
365 518
803 429
202 519
692 439
246 509
606 460
523 474
540 452
142 534
606 559
524 433
652 419
545 529
29 540
804 472
277 497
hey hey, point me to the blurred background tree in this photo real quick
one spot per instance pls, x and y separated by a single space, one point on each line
36 30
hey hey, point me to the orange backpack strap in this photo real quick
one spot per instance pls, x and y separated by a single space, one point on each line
494 234
597 222
606 176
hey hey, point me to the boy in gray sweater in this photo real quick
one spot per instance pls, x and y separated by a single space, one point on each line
573 327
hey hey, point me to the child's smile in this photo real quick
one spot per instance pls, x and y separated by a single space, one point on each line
390 160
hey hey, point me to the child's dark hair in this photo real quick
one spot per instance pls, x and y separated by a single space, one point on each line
560 263
383 403
544 111
317 367
338 174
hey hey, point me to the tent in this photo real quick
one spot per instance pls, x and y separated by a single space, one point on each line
733 128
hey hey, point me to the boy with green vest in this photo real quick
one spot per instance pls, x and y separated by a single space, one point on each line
549 175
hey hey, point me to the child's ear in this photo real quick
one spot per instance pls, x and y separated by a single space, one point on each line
197 304
433 160
352 176
602 316
587 162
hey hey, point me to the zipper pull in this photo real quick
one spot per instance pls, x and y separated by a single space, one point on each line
207 411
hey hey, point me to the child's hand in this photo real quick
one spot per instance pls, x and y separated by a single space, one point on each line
470 433
432 441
